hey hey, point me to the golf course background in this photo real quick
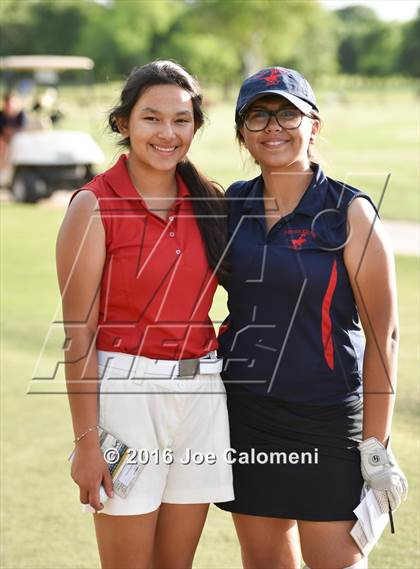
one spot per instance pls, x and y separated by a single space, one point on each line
370 129
368 132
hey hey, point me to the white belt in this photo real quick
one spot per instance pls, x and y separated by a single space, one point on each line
140 366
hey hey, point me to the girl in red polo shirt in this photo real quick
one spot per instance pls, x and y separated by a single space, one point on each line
138 258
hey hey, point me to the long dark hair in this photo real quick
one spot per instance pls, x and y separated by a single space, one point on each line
209 204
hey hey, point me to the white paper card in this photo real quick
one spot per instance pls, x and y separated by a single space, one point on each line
370 524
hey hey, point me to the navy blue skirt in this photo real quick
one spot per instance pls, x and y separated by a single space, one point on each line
291 460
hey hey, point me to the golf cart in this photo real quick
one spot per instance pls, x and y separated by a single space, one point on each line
40 157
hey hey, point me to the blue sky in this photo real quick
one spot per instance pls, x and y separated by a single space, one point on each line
401 10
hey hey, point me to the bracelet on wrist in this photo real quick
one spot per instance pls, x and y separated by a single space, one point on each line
77 439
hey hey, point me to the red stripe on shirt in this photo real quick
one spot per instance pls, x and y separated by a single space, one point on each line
326 318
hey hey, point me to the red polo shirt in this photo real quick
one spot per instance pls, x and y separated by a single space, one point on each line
157 287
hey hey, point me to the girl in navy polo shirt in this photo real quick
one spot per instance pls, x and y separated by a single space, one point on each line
138 259
310 401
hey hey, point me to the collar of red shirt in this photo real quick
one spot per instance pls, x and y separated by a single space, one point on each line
119 179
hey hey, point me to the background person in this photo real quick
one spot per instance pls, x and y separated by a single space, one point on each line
297 372
12 119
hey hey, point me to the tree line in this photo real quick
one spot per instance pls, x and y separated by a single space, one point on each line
219 40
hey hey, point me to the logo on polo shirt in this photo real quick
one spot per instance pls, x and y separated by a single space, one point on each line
301 237
297 243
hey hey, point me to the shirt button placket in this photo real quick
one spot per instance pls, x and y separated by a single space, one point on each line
171 218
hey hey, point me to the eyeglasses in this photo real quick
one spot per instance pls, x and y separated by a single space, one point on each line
258 119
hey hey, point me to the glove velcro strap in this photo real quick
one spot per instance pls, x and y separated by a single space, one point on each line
380 458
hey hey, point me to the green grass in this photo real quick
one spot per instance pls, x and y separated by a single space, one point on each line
367 134
42 524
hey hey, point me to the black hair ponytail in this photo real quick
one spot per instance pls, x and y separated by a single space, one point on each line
210 208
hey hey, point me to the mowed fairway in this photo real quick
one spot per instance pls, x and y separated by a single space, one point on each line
42 524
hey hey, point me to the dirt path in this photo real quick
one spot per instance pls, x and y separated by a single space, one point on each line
405 236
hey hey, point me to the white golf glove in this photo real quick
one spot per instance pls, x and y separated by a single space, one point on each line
382 474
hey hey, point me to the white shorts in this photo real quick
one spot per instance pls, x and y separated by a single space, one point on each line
186 416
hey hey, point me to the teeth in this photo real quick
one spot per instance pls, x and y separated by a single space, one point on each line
161 149
275 142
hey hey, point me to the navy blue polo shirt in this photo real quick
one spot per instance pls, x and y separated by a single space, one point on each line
293 330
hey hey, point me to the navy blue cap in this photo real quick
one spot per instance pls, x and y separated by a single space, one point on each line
276 81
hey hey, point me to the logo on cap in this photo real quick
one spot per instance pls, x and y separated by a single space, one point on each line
273 78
